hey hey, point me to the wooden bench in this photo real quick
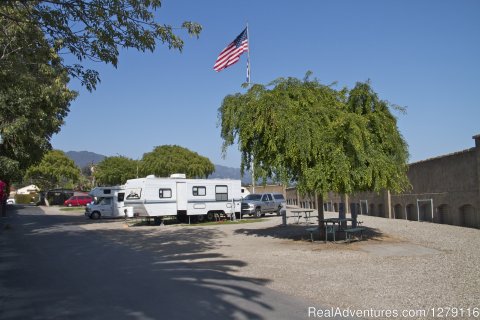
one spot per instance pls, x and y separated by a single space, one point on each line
353 231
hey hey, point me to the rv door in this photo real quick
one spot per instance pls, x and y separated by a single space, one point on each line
181 196
106 207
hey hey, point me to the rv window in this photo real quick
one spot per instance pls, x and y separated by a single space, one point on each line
221 193
164 193
106 201
121 196
199 191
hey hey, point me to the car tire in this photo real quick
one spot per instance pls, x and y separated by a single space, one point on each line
95 215
69 204
258 213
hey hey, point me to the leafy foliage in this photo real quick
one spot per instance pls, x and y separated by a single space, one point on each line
113 171
321 138
94 29
34 98
55 170
166 160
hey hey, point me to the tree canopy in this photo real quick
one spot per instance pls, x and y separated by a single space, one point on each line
168 159
55 170
321 138
117 170
35 36
93 29
34 98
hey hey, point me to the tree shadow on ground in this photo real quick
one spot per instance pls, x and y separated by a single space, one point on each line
57 269
299 232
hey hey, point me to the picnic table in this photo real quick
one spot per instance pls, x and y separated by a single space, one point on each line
332 225
303 213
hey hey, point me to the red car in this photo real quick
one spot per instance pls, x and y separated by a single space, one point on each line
75 201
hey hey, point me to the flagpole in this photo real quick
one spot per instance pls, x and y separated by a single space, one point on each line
249 83
248 59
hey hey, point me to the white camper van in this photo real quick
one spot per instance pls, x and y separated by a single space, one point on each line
181 197
108 203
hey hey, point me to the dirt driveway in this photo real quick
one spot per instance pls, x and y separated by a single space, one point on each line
418 268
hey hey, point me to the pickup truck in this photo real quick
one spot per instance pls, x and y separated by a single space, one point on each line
260 204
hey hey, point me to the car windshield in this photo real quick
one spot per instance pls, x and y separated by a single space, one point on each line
253 197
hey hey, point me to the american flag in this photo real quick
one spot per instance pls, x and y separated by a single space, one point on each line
232 52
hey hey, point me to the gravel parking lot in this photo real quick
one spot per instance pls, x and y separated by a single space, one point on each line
402 265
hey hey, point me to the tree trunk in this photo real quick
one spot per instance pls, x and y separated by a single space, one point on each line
321 213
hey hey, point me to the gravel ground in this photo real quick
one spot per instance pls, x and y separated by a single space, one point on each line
402 265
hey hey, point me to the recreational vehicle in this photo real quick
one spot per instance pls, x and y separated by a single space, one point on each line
200 199
108 203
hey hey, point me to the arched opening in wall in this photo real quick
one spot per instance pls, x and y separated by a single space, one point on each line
425 211
468 216
364 207
398 212
380 210
411 212
442 215
372 210
355 208
352 208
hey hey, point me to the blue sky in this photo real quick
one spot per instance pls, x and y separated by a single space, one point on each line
424 55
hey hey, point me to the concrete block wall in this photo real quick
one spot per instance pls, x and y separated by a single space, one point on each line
445 189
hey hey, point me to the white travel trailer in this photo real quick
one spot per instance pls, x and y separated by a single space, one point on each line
181 197
108 203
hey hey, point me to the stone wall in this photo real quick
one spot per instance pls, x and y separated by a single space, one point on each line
445 189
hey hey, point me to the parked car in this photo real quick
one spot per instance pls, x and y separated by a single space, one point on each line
75 201
11 201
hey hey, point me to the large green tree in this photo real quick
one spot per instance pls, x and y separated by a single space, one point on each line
168 159
34 98
34 38
116 170
94 29
318 137
54 171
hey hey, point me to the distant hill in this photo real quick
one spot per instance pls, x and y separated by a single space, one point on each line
222 172
83 158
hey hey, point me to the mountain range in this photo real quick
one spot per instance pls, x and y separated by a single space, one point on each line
85 158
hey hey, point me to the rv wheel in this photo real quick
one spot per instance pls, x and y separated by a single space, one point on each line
95 215
210 216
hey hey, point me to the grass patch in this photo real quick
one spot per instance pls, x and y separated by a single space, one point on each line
73 209
145 222
223 222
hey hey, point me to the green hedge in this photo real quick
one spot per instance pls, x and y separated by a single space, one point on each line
26 198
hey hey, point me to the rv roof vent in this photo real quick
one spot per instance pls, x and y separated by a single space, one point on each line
178 176
151 176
